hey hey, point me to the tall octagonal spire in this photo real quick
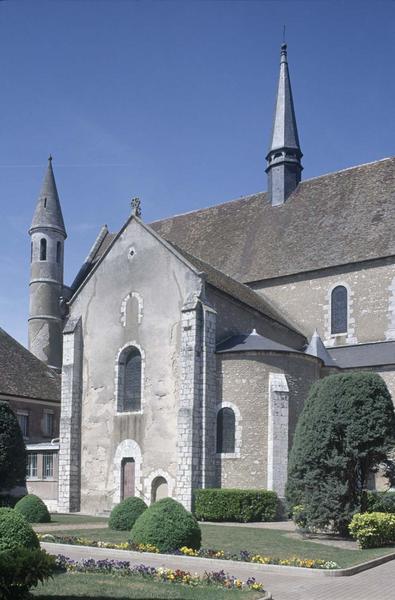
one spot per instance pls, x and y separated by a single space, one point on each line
284 157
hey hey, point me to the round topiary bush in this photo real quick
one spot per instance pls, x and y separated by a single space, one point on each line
168 526
125 514
15 531
33 509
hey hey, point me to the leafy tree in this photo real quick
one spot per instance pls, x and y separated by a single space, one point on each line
346 431
12 450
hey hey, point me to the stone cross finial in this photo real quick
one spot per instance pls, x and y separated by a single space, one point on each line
136 207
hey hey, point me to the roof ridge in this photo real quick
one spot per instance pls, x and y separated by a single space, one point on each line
261 193
372 162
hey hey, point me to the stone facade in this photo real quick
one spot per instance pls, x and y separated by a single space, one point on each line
150 432
305 300
250 382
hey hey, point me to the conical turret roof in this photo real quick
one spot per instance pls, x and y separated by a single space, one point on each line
285 131
317 348
48 211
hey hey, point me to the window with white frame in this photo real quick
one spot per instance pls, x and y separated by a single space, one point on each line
48 466
339 310
129 380
23 420
31 472
226 431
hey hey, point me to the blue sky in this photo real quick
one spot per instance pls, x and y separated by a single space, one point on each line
173 102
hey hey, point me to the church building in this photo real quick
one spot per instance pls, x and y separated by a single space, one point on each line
188 346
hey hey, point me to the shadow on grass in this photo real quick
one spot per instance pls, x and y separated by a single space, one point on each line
43 597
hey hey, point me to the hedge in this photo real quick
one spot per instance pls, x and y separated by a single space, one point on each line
213 504
380 502
167 525
33 509
373 530
125 514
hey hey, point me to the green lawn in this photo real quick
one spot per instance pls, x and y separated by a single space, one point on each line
268 542
71 586
70 519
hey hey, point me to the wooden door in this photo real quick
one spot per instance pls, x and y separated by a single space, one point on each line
127 477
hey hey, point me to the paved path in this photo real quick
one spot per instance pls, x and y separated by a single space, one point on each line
374 584
281 525
48 527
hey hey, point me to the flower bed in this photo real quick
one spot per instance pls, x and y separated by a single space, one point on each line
243 556
123 568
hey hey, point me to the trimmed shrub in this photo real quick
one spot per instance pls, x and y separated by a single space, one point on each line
125 514
345 431
168 526
373 530
12 450
22 569
15 531
33 509
380 502
214 504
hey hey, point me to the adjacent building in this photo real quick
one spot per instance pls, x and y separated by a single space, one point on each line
33 393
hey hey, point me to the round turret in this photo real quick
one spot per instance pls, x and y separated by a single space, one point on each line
47 233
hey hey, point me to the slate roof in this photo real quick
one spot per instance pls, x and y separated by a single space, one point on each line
285 131
364 355
48 211
96 253
236 290
344 217
24 375
317 348
251 342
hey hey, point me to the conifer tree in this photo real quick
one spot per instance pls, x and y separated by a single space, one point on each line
12 450
345 431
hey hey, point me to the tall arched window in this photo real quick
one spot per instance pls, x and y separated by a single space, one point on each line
226 430
129 392
43 249
58 252
339 310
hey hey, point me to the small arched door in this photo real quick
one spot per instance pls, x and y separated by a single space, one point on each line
127 477
159 489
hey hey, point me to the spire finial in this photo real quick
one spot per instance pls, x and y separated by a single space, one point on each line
136 207
50 158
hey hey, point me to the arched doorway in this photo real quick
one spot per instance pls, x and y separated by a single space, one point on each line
128 472
159 489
